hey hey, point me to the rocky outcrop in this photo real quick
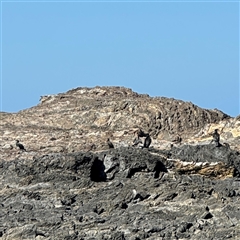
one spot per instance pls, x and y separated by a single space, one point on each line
70 185
124 193
83 118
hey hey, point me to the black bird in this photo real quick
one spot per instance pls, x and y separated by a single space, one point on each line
147 141
110 144
216 138
21 147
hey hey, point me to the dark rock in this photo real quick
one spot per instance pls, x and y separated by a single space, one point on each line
127 193
207 215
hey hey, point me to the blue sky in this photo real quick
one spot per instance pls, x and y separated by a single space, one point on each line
187 50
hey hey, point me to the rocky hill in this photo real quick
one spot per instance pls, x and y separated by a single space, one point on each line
70 185
82 119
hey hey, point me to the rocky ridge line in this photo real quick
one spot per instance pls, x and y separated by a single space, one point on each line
83 118
69 185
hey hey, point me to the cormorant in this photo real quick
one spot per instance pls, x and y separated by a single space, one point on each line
147 141
216 138
21 147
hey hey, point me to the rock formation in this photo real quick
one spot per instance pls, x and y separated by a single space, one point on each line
70 185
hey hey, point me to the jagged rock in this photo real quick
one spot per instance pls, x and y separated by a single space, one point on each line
7 146
85 117
70 185
124 193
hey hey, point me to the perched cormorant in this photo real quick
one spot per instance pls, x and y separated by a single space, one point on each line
216 138
110 144
21 147
147 141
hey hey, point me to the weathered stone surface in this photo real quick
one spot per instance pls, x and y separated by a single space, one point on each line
83 118
69 185
124 193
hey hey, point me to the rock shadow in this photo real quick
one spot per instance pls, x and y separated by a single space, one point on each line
160 167
97 171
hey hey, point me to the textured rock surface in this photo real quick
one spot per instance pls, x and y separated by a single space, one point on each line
82 119
124 193
69 185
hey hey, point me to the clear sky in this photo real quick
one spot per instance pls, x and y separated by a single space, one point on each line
187 50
